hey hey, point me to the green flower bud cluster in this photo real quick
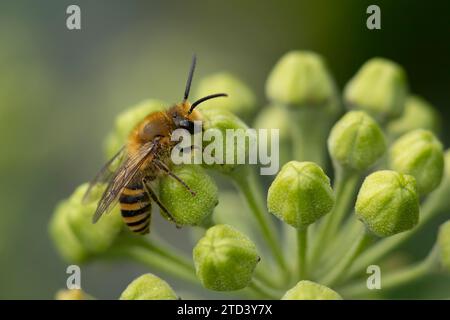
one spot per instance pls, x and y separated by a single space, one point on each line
72 294
241 100
418 114
148 287
388 203
186 208
356 141
300 194
300 78
379 88
217 122
225 259
73 233
381 191
419 153
308 290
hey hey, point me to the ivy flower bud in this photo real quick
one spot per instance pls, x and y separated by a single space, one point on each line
216 122
72 294
379 87
276 117
387 203
356 141
418 114
300 78
419 153
241 100
444 245
225 259
71 228
440 197
126 121
300 194
186 208
308 290
148 287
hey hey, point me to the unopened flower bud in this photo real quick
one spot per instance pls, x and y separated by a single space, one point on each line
241 100
217 123
225 259
148 287
356 141
71 228
388 203
300 78
418 114
72 294
379 87
126 121
277 118
308 290
189 209
419 153
439 197
300 194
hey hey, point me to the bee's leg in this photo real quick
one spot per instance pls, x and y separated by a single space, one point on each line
154 197
162 166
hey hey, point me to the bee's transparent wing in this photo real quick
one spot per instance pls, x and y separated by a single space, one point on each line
122 177
105 174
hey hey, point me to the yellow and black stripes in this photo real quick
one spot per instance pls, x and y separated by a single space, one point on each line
136 208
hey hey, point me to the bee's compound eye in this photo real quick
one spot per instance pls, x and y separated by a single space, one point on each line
188 125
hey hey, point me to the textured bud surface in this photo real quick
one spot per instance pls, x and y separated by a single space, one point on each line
387 203
300 78
218 121
72 294
73 232
308 290
148 287
186 208
356 141
300 194
240 101
418 114
225 259
379 87
419 154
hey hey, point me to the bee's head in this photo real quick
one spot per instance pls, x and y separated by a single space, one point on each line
184 115
182 118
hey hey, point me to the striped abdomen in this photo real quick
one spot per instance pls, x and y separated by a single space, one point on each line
136 207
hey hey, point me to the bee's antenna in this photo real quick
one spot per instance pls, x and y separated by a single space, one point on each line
211 96
189 80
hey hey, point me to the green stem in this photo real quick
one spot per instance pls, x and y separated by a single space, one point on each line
429 210
345 187
262 291
266 277
309 138
398 278
341 268
348 234
155 255
246 183
302 244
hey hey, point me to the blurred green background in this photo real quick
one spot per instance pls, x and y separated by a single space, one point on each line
60 91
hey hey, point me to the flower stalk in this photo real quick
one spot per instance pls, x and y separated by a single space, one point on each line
246 182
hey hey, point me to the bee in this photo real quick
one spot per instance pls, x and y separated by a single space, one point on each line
143 159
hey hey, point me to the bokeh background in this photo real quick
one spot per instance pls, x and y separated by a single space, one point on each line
60 91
